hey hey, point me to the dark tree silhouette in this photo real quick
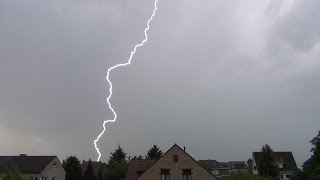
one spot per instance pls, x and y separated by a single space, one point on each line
89 173
154 153
72 167
267 164
12 172
117 165
311 168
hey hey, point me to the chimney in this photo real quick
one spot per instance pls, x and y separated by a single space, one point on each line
22 154
184 148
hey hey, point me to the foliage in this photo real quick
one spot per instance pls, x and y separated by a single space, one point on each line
267 164
72 167
154 153
12 173
245 175
241 175
117 165
117 155
298 175
89 173
311 168
102 171
264 178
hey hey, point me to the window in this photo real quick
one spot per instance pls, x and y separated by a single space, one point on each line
255 167
175 158
165 174
55 164
215 172
139 173
187 174
35 178
288 176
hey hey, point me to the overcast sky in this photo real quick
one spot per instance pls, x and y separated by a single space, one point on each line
222 78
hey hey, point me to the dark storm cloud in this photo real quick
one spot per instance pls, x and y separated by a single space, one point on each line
219 77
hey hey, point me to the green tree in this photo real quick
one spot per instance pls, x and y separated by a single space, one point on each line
267 164
154 153
12 173
311 168
245 175
72 167
117 165
89 173
241 175
264 178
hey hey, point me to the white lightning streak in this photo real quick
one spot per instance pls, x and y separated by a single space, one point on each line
122 65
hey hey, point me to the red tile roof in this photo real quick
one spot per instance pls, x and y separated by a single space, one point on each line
138 165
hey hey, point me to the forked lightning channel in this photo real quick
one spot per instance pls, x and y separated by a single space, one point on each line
122 65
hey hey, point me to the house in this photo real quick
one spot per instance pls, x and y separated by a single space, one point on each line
222 170
175 164
284 160
33 167
137 167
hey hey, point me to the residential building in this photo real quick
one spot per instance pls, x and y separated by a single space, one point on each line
175 164
284 160
137 167
33 167
222 170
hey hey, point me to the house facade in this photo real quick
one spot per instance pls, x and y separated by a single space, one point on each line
33 167
175 164
284 160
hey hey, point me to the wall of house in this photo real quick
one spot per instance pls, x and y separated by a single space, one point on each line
184 162
254 169
54 170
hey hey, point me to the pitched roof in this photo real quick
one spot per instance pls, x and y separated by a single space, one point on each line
213 164
138 165
175 145
286 158
238 164
26 164
210 164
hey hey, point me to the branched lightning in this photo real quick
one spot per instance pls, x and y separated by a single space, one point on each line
122 65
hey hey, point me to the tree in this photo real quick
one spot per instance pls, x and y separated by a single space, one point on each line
154 153
267 164
72 167
245 175
117 165
311 168
89 173
12 173
241 175
102 171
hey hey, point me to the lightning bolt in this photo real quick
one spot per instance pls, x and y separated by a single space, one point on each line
110 83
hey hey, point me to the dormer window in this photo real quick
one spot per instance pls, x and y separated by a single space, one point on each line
175 158
280 163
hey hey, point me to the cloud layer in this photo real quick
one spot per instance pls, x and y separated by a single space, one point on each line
221 78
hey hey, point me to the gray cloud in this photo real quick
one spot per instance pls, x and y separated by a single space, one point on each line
221 78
